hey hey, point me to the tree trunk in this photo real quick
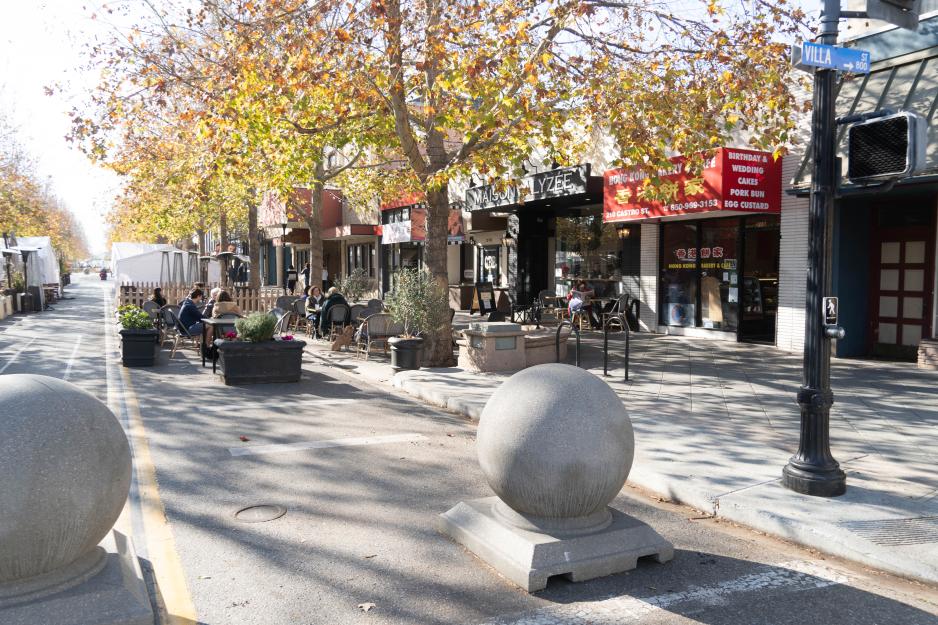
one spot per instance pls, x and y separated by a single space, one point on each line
254 251
439 351
223 240
314 223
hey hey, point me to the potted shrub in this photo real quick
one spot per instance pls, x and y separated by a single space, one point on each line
356 285
419 305
254 356
139 338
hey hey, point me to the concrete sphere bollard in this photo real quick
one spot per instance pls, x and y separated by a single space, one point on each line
65 473
555 443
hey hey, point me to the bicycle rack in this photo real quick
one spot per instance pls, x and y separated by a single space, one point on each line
577 331
624 324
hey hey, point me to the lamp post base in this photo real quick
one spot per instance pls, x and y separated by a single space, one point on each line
814 481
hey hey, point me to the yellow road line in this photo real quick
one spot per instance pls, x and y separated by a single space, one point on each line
172 590
161 546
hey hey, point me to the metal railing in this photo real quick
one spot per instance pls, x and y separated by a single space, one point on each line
623 324
576 330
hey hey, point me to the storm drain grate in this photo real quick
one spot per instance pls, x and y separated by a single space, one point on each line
260 513
889 532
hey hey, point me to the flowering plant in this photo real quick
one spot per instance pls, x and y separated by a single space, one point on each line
231 335
286 337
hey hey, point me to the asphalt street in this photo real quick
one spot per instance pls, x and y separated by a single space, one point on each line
362 474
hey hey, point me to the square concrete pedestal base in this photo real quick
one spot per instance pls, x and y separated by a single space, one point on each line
529 558
117 595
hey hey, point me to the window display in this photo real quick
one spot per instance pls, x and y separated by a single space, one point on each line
587 249
679 274
719 281
702 282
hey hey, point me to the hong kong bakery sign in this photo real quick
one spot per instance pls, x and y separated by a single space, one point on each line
733 180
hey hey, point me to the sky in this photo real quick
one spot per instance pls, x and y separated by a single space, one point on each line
41 44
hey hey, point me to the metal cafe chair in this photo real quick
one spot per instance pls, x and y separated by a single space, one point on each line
338 319
182 335
283 324
168 315
299 315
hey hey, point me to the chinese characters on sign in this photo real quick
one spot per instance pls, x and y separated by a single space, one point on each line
734 179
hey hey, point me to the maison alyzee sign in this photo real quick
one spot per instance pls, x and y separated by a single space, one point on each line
559 182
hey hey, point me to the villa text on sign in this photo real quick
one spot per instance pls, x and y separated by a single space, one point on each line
808 56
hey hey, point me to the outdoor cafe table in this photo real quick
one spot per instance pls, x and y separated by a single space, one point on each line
219 326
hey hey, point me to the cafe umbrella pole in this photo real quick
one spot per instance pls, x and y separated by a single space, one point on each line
813 469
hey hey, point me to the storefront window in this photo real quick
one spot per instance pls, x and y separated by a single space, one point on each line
587 249
703 264
679 274
361 257
719 279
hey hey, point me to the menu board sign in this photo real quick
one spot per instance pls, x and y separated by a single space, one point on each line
484 299
733 179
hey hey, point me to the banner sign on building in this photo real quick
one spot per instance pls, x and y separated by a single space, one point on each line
733 180
544 185
455 231
406 230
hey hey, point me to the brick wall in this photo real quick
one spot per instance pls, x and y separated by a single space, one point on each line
793 264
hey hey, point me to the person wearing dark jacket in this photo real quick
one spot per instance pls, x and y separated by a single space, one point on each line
189 315
158 298
333 297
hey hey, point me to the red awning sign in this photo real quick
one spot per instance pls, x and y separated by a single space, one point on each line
734 179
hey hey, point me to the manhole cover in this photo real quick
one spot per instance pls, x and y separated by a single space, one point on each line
886 532
260 513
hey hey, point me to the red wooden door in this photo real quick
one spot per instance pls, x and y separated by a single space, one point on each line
903 287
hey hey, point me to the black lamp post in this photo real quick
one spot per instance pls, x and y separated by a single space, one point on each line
813 470
283 246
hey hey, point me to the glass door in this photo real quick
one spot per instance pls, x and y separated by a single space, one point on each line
759 284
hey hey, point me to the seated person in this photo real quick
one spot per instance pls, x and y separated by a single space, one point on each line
224 305
190 317
158 298
314 303
580 302
333 297
210 305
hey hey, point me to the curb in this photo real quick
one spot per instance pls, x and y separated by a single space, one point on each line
736 506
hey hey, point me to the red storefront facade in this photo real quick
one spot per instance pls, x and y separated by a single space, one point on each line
717 233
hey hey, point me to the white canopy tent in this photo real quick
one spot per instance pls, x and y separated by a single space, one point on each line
158 262
138 262
43 266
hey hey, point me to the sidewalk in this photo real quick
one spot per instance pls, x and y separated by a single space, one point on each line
716 422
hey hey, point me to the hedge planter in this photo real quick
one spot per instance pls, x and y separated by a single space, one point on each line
243 362
405 353
138 347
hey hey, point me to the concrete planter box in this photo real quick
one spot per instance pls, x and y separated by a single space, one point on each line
502 346
406 353
540 346
492 346
266 362
138 347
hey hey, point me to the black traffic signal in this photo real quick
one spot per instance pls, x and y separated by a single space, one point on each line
892 146
902 13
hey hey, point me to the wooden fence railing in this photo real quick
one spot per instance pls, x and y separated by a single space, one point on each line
247 299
